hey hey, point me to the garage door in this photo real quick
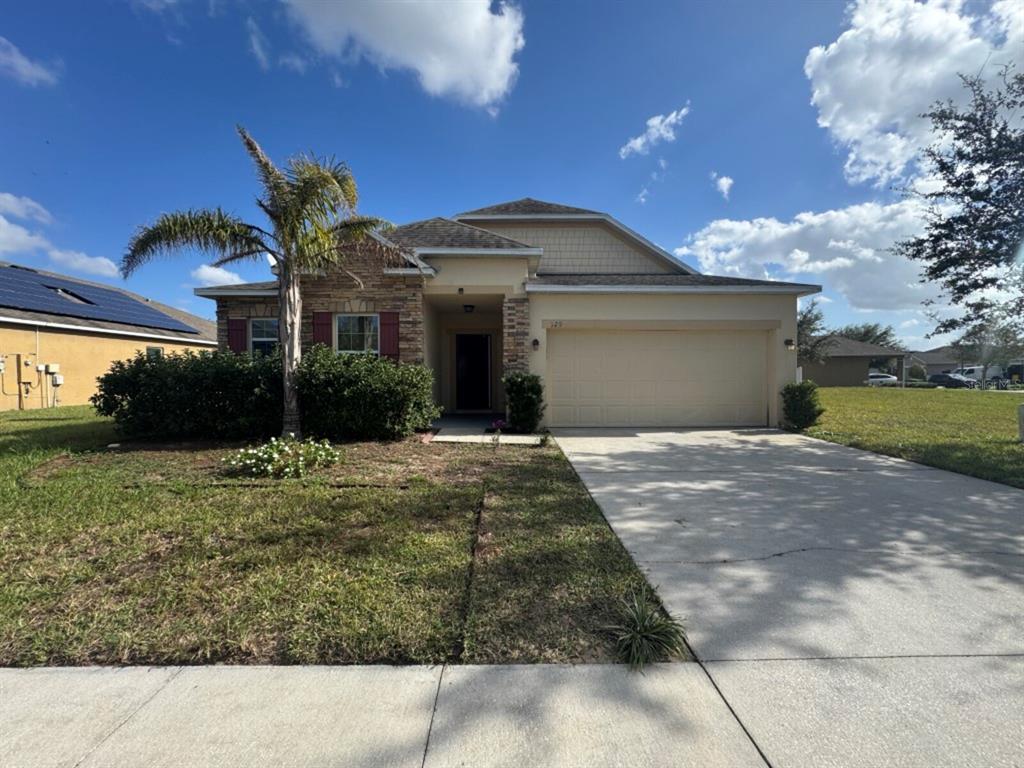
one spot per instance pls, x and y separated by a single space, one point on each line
702 378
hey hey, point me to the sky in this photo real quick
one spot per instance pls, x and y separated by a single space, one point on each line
754 139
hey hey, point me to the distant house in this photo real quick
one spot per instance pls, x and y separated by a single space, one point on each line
941 360
849 361
57 330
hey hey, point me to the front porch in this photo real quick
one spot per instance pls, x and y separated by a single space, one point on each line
470 341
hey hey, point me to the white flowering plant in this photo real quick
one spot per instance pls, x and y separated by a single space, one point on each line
284 457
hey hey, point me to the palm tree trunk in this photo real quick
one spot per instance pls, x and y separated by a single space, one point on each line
290 300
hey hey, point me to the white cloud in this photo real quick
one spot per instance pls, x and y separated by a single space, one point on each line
659 128
823 299
895 60
209 275
643 195
14 238
80 262
17 66
23 208
722 183
463 50
294 62
258 45
911 323
847 246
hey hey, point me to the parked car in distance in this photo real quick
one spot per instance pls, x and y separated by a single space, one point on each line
950 381
881 380
975 372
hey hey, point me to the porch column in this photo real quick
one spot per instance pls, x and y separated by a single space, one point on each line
515 330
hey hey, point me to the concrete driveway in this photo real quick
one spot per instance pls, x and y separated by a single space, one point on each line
853 609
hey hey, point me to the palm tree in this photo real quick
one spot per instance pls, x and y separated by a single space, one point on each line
310 205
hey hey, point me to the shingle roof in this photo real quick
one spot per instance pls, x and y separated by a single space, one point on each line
658 279
938 356
527 206
206 330
840 346
445 233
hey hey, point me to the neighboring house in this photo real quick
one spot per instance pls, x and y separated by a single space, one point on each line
941 360
75 329
849 361
621 332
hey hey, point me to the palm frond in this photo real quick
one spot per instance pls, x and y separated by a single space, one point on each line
210 230
275 182
325 184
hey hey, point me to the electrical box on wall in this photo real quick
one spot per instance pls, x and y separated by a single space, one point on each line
53 368
56 379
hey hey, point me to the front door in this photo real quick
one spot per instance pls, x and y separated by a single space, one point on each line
472 372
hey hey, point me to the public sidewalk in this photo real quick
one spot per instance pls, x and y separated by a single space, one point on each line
370 716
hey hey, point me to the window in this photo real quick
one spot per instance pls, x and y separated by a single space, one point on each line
154 353
357 333
263 336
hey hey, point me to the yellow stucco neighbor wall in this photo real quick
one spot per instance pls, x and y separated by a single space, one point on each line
775 315
82 357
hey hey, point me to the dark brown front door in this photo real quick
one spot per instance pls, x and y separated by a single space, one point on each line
472 371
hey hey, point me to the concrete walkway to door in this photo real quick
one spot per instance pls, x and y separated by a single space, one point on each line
853 609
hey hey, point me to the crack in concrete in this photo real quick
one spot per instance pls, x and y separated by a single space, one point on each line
854 550
433 713
132 714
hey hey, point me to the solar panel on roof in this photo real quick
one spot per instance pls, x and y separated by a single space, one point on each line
29 290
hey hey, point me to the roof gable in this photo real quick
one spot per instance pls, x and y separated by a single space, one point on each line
527 206
446 233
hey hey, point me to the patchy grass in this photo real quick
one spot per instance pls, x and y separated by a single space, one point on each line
971 432
151 555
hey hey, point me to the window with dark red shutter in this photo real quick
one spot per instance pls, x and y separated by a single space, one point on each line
322 332
238 334
389 335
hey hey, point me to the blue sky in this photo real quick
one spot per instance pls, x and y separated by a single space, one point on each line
805 114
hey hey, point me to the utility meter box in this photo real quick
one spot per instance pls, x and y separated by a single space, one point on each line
53 367
56 379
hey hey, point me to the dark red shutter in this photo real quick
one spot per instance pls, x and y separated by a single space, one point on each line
238 334
322 328
389 335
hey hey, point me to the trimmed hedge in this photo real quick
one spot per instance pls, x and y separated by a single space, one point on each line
524 394
800 405
223 395
363 396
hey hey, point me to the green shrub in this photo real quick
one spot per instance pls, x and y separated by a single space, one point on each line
286 457
363 396
646 633
800 404
524 395
205 395
223 395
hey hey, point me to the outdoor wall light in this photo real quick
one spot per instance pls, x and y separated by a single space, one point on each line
535 344
467 308
461 291
790 344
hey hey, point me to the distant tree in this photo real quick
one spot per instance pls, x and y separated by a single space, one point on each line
871 333
996 340
974 226
812 342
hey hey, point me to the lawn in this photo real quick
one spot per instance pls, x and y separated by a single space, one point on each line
967 431
404 552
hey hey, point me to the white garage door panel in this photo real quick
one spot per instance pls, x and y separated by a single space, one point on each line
657 378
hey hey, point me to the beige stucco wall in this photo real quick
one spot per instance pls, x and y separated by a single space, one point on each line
585 247
82 357
478 274
773 312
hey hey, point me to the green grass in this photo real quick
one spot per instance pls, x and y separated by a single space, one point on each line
965 431
151 555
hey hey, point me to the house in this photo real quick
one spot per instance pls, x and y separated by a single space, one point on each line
58 334
849 361
621 332
941 360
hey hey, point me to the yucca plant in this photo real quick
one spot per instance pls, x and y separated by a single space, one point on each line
645 632
310 206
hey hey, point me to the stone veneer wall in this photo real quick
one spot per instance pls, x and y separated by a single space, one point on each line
337 291
515 332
